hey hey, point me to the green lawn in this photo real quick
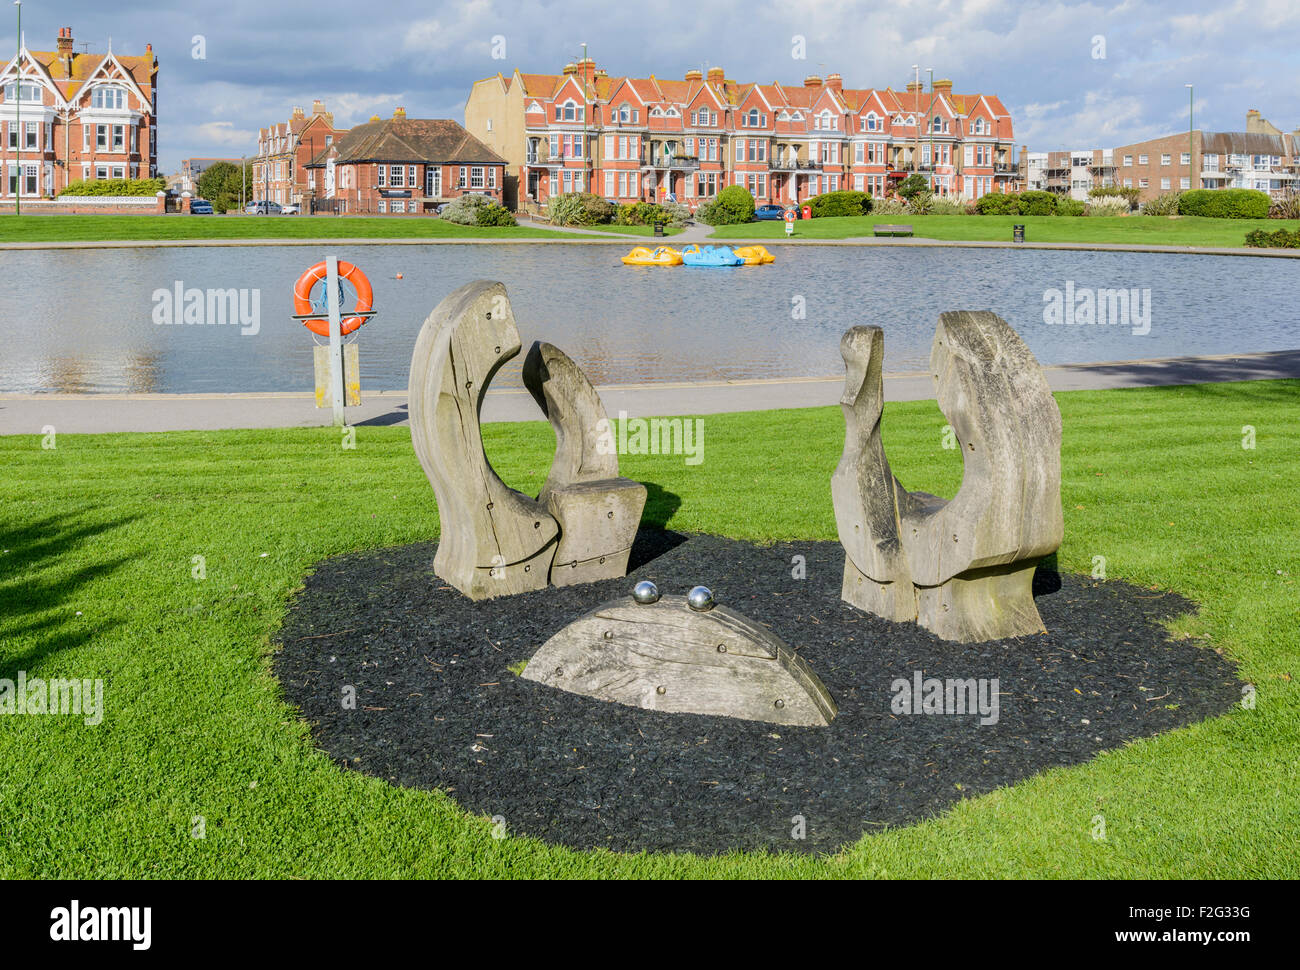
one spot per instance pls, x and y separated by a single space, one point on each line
57 228
97 539
1130 230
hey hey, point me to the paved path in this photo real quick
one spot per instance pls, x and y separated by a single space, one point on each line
95 413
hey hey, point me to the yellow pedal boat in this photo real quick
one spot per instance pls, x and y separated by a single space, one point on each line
754 255
662 256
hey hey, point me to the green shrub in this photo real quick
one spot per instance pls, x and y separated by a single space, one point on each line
1066 206
1128 193
844 203
998 204
115 187
920 202
913 184
639 214
1108 205
464 209
944 206
733 206
1162 205
493 214
1035 203
1279 239
677 213
1225 203
580 209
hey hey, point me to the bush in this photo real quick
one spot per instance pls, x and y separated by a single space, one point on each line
493 214
913 184
1280 239
944 206
1034 203
1288 208
733 206
998 204
1066 206
676 213
639 214
1129 194
580 209
464 209
223 184
1108 205
889 207
844 203
116 187
1162 205
1225 204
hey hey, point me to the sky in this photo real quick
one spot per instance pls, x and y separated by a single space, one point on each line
1073 75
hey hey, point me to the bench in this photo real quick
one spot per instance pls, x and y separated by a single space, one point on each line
892 230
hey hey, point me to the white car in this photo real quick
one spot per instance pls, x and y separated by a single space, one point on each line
289 210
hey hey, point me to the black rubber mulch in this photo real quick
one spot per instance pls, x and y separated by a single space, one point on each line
437 706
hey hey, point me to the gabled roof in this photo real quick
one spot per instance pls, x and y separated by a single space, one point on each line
139 70
412 140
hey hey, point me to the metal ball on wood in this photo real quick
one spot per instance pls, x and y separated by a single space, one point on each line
645 592
700 599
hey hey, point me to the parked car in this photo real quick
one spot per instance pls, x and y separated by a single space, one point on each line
200 207
263 208
769 212
289 210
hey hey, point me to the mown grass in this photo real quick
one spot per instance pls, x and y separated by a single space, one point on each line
102 228
1126 230
97 539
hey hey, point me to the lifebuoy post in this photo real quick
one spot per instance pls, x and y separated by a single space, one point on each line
336 338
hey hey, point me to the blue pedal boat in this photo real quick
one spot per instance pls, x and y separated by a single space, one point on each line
693 255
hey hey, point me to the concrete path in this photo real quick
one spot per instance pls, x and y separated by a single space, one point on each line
96 413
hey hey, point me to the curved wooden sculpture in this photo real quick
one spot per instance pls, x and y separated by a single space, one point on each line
970 562
598 512
494 541
665 656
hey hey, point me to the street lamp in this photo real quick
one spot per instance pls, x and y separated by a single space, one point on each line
1191 110
916 159
934 162
18 110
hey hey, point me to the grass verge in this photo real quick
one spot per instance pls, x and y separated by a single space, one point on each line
98 539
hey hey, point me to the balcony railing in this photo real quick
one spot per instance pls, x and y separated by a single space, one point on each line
674 162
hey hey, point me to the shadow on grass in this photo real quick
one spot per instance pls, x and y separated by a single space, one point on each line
34 588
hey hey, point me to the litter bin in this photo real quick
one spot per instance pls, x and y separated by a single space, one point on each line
1017 233
659 228
807 212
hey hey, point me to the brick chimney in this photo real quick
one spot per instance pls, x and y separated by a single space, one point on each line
812 81
695 75
835 82
65 49
717 75
914 85
318 107
399 114
298 112
943 87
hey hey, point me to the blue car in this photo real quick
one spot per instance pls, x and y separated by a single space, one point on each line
768 212
200 207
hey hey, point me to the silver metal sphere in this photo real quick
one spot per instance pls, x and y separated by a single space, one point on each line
645 592
700 599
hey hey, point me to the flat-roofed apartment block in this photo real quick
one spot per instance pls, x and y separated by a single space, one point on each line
657 139
66 116
1072 173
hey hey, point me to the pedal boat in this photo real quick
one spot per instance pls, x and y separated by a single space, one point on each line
662 256
754 255
693 255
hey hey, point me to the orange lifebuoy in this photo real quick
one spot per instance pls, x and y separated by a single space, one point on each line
308 280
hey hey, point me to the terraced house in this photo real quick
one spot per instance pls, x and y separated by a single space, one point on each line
283 152
66 116
651 138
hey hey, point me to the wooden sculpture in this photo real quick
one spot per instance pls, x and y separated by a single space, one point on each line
494 541
598 512
963 569
665 655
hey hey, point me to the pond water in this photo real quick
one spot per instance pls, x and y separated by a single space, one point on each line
84 320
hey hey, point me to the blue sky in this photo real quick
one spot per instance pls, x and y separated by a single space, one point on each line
262 58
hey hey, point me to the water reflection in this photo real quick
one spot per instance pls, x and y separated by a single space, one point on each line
81 320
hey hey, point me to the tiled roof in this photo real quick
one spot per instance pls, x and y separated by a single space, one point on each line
412 140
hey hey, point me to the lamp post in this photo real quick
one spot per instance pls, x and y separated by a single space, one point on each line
18 111
934 162
916 159
1191 160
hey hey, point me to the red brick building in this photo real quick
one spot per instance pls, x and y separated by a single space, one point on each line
631 138
404 166
66 116
285 150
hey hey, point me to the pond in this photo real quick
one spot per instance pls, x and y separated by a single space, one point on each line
85 320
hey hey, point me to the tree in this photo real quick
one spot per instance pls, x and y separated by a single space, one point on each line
913 184
220 184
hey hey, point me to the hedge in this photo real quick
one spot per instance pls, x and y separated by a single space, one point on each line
843 203
1279 239
115 187
1225 203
